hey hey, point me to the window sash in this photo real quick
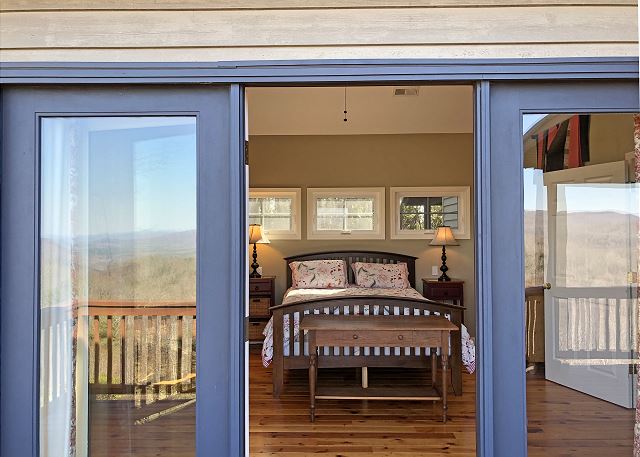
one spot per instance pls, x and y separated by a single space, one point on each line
429 205
339 216
260 214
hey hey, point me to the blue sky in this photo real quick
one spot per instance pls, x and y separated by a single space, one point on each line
621 198
127 174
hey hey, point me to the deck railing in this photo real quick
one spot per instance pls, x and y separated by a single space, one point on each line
127 345
590 323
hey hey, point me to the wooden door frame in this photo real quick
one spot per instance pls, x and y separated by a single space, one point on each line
500 399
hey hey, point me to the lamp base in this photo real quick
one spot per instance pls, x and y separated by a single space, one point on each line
254 265
444 268
444 277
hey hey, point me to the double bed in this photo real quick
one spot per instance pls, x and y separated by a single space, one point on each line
284 349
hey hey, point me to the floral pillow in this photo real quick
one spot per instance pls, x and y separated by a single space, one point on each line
318 274
386 276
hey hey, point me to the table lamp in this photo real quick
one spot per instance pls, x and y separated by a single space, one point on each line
256 235
444 237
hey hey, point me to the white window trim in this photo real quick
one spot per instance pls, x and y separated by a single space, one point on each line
295 193
463 193
378 193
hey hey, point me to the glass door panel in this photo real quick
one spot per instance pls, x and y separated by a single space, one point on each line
581 227
117 286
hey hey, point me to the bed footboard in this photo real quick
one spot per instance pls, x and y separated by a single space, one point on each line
293 356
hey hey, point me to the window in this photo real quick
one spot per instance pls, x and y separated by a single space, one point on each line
356 213
277 210
418 211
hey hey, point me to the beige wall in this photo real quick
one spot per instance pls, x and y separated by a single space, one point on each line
214 30
359 161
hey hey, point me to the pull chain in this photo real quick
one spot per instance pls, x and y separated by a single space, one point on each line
345 104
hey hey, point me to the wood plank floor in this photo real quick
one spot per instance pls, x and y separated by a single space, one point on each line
562 422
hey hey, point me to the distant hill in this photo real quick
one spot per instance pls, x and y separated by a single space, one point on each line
599 248
139 266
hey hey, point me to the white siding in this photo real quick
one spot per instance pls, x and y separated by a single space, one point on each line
200 30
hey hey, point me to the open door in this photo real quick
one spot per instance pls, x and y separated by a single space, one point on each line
122 271
589 299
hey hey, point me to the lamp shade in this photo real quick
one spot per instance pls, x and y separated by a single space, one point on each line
444 237
257 235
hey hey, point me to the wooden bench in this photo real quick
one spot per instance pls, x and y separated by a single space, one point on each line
372 331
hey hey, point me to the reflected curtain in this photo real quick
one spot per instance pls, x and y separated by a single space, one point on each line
62 289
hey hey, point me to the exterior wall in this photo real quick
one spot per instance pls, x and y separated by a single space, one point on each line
214 30
366 161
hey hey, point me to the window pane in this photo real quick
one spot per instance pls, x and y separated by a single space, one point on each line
255 206
271 223
428 213
273 213
359 206
282 205
330 223
581 231
360 223
118 286
329 205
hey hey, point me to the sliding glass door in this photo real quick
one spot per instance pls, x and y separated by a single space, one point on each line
570 223
123 202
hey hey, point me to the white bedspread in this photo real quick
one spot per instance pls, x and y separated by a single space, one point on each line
300 295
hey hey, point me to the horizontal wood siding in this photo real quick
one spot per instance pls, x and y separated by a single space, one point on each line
37 5
191 30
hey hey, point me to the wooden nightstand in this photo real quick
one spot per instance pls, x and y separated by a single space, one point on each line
450 292
262 295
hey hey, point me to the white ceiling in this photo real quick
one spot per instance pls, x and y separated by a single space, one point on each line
370 110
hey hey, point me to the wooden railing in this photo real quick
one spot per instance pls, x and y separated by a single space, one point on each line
534 324
126 346
597 321
590 323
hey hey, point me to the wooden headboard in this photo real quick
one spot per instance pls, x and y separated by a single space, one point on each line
357 256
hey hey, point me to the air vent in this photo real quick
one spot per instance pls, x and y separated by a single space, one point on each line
405 91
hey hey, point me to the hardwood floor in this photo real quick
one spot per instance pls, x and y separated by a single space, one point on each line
562 422
356 428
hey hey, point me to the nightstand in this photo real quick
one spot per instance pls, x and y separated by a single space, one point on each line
262 295
450 293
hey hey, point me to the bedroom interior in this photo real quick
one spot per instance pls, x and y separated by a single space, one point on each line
400 147
373 188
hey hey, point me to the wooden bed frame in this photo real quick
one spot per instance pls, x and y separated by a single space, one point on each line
281 362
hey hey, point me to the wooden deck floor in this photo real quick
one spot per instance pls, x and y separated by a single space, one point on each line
562 423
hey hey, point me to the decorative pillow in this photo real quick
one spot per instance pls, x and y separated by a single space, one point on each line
318 274
386 276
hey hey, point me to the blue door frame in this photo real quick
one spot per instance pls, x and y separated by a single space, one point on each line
502 95
220 244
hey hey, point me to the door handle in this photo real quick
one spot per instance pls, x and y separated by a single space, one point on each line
547 285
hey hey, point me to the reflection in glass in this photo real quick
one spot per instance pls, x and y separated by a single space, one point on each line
582 221
117 286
